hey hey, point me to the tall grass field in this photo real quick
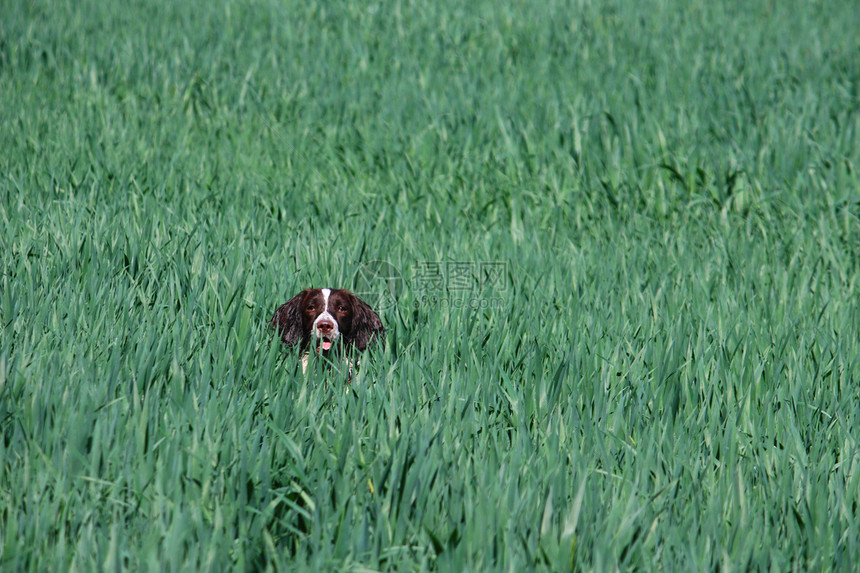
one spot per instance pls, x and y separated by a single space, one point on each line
615 245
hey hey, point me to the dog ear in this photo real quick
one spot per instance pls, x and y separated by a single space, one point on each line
366 326
288 320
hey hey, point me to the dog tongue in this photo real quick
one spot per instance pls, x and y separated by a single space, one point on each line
326 344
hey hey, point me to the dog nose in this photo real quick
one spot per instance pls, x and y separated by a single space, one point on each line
325 327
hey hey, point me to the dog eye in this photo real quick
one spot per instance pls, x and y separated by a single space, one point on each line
341 308
310 307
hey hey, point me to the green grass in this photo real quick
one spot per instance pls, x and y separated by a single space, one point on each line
668 377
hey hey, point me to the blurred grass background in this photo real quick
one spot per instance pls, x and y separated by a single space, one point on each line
667 376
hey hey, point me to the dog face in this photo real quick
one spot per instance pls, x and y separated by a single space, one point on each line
327 318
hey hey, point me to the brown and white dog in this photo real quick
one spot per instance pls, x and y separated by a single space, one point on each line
328 320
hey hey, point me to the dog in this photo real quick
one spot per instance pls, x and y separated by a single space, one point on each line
331 321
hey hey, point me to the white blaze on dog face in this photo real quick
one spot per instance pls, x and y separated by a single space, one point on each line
325 326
